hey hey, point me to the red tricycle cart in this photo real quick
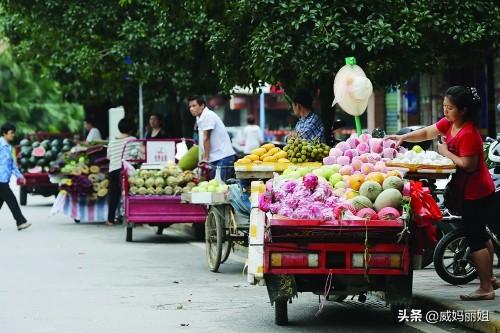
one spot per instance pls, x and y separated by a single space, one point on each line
336 259
159 210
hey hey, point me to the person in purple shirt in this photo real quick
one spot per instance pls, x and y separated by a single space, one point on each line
7 168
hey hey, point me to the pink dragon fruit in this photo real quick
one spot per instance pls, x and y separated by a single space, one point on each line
301 213
329 160
275 207
279 195
389 153
285 211
351 153
389 143
289 186
365 138
265 202
315 210
310 181
353 142
367 213
343 146
344 160
363 148
291 202
336 152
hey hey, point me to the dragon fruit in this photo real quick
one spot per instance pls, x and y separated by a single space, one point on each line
363 148
289 186
310 181
291 202
285 211
353 142
301 213
365 138
389 144
389 153
265 202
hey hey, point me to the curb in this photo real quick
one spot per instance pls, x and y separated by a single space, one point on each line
428 303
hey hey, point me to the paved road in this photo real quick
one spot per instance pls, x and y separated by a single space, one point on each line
59 276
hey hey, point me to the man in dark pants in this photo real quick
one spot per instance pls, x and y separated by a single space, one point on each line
7 168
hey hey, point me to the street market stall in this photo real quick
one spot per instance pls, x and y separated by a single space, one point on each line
153 184
82 175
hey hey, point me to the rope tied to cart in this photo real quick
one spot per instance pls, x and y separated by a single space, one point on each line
328 287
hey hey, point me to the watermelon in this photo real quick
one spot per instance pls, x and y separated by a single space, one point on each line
24 162
49 155
41 162
67 142
32 161
45 144
35 144
66 148
38 152
378 133
24 143
55 143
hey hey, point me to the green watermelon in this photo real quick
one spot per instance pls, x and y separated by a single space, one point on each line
24 143
378 133
35 144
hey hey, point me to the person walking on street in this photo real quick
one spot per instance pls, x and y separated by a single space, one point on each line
93 132
155 128
463 145
114 153
309 126
214 139
251 135
7 168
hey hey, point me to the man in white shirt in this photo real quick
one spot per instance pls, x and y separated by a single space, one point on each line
215 143
251 135
93 132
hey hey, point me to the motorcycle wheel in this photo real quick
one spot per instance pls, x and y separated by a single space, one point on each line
452 259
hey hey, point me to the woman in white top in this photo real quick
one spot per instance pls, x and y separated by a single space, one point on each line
251 135
115 150
93 132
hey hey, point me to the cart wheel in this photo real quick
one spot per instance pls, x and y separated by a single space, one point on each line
226 250
214 237
130 228
281 311
23 196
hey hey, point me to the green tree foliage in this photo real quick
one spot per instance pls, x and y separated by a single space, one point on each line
84 44
32 101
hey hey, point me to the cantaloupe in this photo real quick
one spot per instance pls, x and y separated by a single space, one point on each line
190 160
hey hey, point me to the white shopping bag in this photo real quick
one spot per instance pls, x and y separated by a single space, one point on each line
181 149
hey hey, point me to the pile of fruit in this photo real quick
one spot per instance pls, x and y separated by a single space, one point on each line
169 181
36 156
378 197
265 153
418 156
300 151
211 186
86 181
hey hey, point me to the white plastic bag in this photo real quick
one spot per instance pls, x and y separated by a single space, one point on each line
181 149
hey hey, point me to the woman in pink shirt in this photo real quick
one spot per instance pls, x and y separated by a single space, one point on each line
462 144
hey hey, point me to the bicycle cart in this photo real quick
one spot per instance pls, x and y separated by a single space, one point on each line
159 210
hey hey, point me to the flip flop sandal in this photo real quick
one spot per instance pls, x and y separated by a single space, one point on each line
478 297
495 284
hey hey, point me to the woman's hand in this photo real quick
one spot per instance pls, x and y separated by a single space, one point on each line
398 138
443 149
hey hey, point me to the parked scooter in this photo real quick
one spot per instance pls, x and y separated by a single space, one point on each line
452 259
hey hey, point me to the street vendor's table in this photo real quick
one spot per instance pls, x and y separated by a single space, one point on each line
80 208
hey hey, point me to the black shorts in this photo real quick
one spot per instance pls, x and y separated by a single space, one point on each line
476 215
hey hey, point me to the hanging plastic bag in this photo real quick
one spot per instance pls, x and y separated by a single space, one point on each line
181 149
425 208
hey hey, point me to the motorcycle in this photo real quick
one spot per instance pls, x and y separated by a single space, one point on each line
452 260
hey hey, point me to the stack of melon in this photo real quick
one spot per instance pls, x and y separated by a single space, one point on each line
265 153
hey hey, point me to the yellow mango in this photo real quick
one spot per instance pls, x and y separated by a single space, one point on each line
257 162
280 154
269 159
259 151
267 146
244 161
253 157
273 151
283 160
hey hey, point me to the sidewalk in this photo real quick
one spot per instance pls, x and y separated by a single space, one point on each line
432 293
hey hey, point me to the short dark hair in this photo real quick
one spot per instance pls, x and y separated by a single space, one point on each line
126 126
8 127
303 97
466 99
198 98
251 120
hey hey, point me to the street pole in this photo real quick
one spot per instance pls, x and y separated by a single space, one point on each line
141 112
262 115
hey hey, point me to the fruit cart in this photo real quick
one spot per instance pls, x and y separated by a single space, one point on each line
336 259
151 202
36 155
